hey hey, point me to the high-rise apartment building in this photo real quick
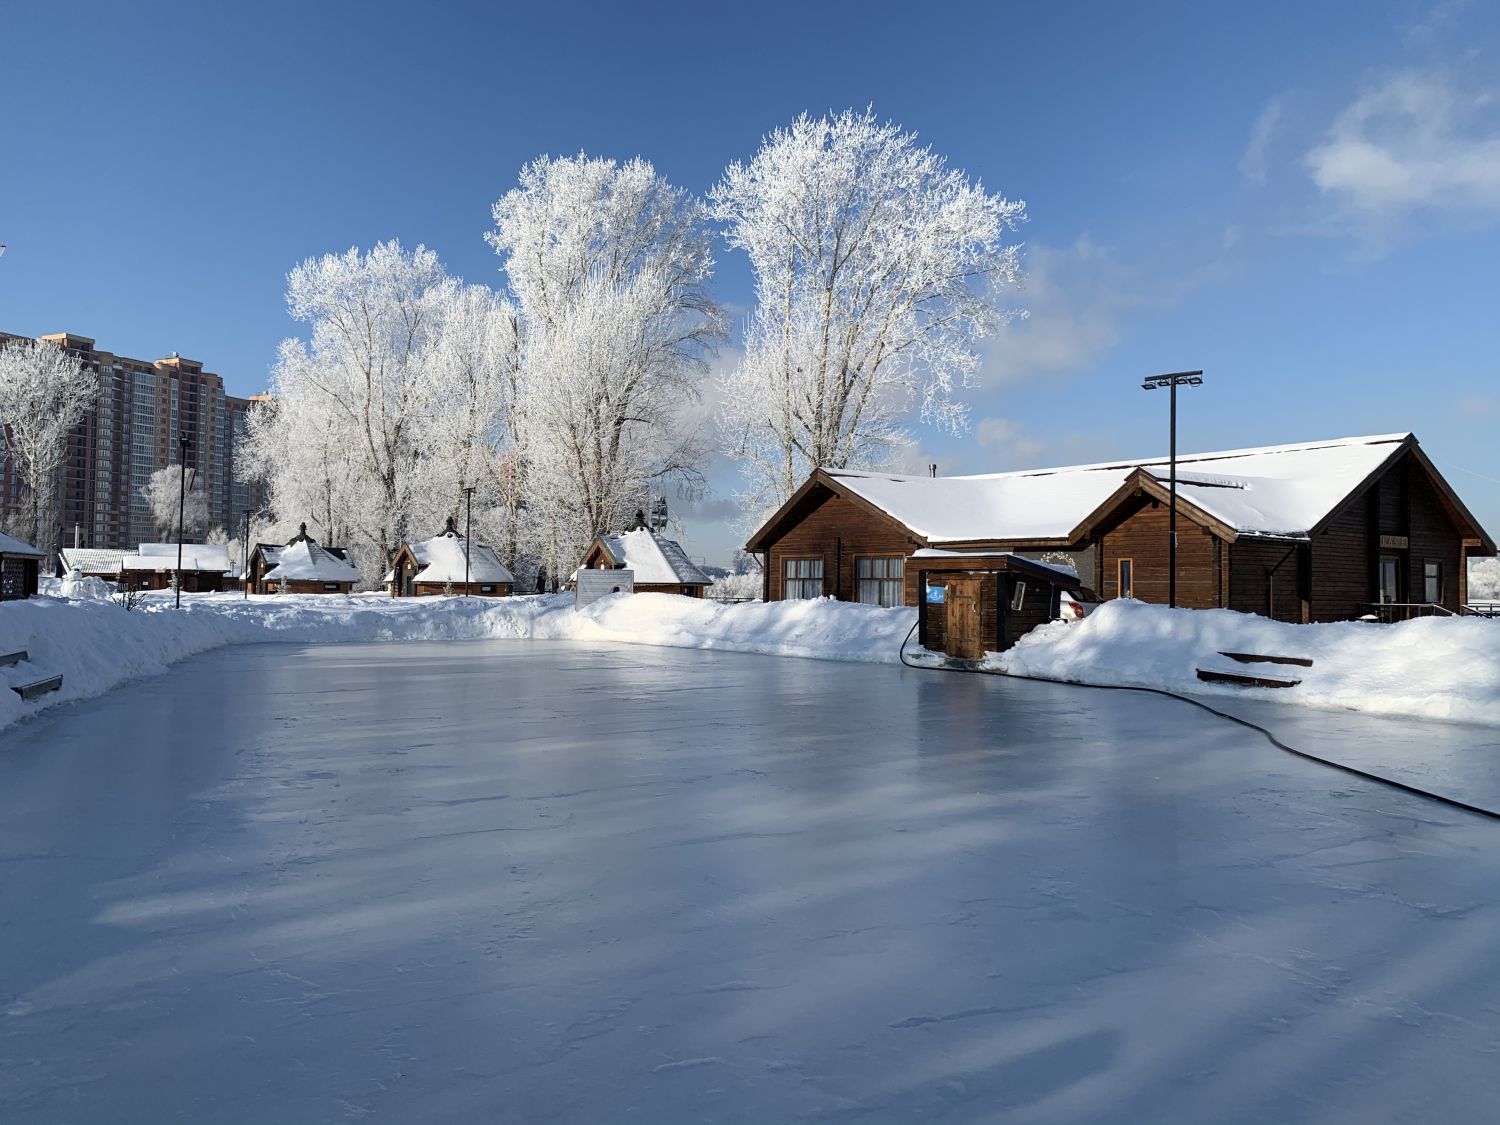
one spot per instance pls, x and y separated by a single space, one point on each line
143 410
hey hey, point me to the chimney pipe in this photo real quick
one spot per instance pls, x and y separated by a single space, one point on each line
932 471
77 531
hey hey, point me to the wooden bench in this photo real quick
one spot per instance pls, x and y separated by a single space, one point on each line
1245 679
9 658
1260 658
37 687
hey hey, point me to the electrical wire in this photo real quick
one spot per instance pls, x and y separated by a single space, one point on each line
1452 802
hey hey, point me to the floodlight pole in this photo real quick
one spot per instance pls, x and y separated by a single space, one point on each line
468 533
1171 382
182 443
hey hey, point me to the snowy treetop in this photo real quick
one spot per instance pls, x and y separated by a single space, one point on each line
1274 490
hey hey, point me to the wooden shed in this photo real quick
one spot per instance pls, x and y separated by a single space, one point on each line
660 565
20 568
153 566
301 566
91 562
438 566
1314 531
973 602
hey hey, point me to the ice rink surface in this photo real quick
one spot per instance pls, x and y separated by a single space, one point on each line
502 881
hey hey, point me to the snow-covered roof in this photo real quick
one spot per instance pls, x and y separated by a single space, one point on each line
1282 490
305 561
442 560
10 545
208 557
92 560
655 561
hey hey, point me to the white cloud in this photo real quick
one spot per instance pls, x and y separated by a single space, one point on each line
1253 161
1414 142
1004 438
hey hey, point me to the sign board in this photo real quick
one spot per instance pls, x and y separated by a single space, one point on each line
937 595
1394 543
595 584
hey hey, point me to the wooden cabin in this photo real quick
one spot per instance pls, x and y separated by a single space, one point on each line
439 565
660 565
973 602
153 566
1316 531
301 566
91 562
20 569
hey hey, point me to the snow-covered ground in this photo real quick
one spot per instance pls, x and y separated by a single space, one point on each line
1436 668
572 882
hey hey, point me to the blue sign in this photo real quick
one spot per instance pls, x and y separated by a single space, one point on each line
937 595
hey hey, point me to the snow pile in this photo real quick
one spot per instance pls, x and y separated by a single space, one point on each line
1433 667
75 585
1484 580
98 645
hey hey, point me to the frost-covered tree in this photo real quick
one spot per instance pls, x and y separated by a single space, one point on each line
360 386
44 394
164 491
877 269
607 264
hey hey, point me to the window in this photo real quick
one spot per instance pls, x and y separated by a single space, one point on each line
803 579
1126 586
1018 596
1432 582
880 581
330 585
486 589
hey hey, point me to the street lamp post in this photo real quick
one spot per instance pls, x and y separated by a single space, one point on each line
182 444
245 557
1172 382
468 533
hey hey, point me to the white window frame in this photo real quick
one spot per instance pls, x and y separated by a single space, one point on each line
801 578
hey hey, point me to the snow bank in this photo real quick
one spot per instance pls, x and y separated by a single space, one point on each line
1432 667
98 645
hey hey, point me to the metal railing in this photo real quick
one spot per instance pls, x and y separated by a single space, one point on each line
1482 609
1389 612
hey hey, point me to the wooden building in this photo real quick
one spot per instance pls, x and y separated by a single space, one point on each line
1317 531
660 565
20 569
301 566
973 602
438 566
91 562
153 566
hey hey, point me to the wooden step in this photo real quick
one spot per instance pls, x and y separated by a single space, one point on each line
9 658
37 687
1261 658
1245 679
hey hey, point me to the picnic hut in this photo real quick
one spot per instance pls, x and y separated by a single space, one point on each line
153 566
437 566
660 565
1312 531
20 568
301 566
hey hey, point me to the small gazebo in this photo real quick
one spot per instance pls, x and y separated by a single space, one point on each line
301 566
20 568
437 566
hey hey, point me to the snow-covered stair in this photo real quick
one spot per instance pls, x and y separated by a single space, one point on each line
25 678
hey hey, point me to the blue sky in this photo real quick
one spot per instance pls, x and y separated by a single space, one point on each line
1303 200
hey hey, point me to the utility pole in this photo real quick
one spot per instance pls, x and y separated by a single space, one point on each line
1172 381
245 557
468 533
182 443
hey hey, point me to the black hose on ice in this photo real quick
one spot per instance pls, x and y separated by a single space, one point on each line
1453 802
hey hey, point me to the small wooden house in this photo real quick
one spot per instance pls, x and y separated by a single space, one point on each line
301 566
20 569
660 565
1315 531
440 565
973 602
153 566
91 562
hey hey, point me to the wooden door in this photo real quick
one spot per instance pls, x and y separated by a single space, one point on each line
964 640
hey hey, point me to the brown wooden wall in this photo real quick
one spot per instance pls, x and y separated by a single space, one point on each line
1264 578
838 531
1202 561
999 625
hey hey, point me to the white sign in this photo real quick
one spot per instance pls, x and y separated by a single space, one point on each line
595 584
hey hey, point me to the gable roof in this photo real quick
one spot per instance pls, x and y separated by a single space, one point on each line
656 561
1283 491
207 557
92 560
305 561
442 560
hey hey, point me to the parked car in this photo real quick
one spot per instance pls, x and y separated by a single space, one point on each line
1075 607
